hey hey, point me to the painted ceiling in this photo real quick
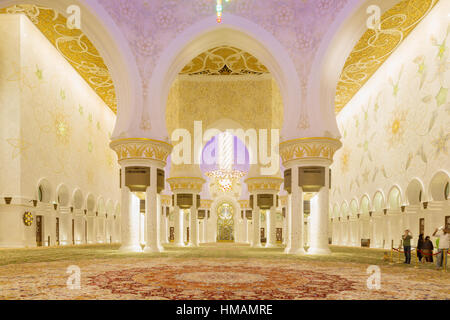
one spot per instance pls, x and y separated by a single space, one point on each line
376 46
371 51
74 46
224 60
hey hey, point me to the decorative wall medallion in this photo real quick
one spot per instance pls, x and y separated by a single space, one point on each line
141 148
28 218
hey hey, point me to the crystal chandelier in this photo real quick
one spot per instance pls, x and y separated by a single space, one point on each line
219 10
226 177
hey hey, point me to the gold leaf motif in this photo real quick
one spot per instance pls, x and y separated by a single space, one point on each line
141 148
309 148
224 60
74 46
375 47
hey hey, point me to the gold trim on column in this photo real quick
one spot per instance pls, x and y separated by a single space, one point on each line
245 204
195 184
309 148
265 184
166 200
205 203
141 148
283 200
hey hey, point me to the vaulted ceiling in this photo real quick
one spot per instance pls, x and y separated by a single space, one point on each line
371 51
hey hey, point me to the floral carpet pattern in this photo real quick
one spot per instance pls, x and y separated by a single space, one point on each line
216 281
174 277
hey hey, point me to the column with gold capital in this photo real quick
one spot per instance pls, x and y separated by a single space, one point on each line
142 162
307 162
186 190
263 190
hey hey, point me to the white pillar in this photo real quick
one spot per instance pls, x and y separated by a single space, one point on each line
256 226
164 234
193 226
245 228
178 224
319 220
130 221
153 214
284 232
296 217
288 224
200 231
205 228
271 227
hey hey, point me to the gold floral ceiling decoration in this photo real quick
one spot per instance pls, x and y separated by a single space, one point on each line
224 60
375 46
74 46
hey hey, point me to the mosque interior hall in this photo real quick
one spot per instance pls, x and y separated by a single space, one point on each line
225 150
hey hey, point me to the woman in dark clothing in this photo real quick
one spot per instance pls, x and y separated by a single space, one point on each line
427 249
420 243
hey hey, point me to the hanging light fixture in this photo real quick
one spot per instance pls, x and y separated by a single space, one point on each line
226 177
219 10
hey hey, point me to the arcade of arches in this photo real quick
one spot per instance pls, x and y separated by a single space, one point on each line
96 124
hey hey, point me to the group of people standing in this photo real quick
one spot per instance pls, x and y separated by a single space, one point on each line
425 246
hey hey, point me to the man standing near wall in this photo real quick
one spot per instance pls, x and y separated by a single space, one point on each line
444 239
407 246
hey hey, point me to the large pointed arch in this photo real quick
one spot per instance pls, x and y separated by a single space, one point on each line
207 34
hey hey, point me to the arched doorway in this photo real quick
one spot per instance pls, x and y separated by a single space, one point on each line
225 222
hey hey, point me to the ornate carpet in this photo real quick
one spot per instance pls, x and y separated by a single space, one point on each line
198 279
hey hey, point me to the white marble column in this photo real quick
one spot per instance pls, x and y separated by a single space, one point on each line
288 235
164 232
179 225
245 228
200 231
256 225
284 232
193 225
130 221
319 220
296 216
153 215
250 231
205 228
271 227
